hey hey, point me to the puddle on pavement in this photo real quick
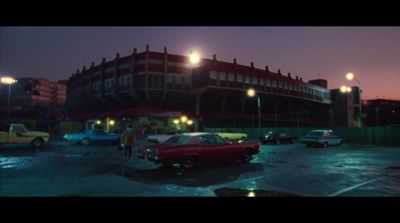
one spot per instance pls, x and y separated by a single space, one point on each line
15 163
302 166
233 192
73 155
395 167
77 155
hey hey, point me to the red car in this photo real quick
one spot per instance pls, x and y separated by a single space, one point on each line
189 148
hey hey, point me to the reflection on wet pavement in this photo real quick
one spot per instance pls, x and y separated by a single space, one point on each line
232 192
15 162
279 170
202 177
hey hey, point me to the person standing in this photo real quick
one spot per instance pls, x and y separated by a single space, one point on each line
128 140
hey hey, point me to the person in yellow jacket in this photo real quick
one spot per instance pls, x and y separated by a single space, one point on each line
128 140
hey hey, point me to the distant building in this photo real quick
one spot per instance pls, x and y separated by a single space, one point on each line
60 92
319 82
381 112
35 97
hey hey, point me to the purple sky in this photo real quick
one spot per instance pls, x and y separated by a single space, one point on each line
371 53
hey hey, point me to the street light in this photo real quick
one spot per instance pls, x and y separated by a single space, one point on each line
194 57
176 121
112 122
343 89
349 76
189 122
8 81
184 118
251 93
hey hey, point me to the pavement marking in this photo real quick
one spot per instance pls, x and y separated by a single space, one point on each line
270 187
253 178
360 185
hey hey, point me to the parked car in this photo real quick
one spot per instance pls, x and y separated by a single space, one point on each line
161 138
188 149
231 136
323 138
277 138
90 136
18 134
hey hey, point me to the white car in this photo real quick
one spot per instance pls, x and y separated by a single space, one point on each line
323 138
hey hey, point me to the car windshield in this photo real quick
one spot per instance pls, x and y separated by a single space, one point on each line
315 133
179 140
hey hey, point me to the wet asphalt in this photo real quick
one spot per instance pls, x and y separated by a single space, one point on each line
62 169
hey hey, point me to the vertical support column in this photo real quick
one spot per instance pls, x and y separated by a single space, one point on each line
165 76
146 75
198 97
276 109
242 106
377 116
259 115
332 118
133 71
223 102
116 79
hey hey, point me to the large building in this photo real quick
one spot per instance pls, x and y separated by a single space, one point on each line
153 83
34 98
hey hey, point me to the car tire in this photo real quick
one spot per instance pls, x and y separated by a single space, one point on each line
246 156
37 143
85 142
188 163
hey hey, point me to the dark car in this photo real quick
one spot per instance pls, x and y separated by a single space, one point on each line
190 148
277 138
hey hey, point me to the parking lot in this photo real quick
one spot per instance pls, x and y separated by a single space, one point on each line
62 169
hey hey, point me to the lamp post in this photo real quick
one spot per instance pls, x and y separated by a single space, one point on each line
8 81
251 93
350 77
345 90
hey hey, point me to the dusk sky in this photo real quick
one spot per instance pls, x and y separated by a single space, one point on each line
371 53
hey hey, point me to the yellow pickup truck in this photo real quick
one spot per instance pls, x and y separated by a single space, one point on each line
233 136
18 134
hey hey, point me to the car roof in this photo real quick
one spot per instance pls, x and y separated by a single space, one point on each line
197 133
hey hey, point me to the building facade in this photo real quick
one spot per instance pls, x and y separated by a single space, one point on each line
160 83
381 112
34 98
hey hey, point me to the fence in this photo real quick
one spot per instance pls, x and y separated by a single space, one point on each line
381 136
